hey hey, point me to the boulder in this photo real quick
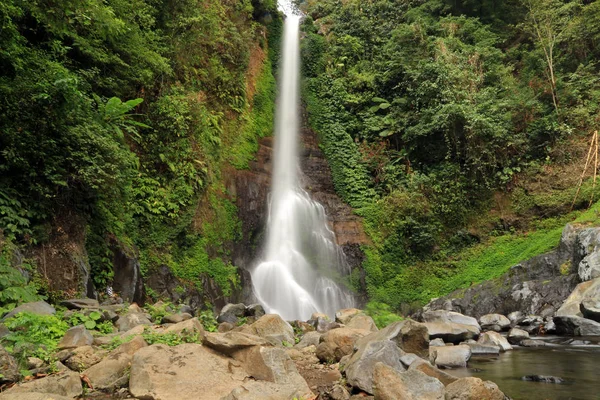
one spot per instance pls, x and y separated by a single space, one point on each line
543 378
176 318
131 320
255 310
83 358
79 304
32 396
225 327
478 349
494 339
111 373
532 343
273 328
549 325
64 383
451 332
77 336
516 335
390 384
36 307
494 322
34 363
172 373
339 392
450 356
362 321
231 313
585 291
576 326
9 369
337 343
450 316
361 366
344 316
590 309
410 336
323 325
473 389
273 365
436 342
191 326
515 317
428 369
309 339
229 343
589 267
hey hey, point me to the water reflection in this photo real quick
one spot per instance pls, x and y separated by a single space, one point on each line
578 366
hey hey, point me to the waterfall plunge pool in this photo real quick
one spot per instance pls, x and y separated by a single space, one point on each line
577 365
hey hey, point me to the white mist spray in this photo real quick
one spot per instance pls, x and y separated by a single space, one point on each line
301 256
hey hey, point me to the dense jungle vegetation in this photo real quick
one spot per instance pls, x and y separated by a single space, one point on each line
117 119
457 129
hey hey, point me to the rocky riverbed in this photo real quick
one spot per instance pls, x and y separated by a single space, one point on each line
249 356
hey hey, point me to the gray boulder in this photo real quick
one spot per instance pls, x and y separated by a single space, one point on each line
361 366
483 349
516 317
494 322
576 326
494 339
309 339
77 336
80 304
516 335
532 343
589 267
410 336
451 332
590 308
393 385
436 342
450 356
450 316
36 307
231 312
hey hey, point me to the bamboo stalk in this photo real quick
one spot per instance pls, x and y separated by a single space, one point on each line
587 162
595 170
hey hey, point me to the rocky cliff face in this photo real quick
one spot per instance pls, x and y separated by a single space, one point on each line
538 286
251 189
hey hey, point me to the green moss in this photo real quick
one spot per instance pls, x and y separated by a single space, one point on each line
257 121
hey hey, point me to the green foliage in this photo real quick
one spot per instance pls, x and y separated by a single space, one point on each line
381 313
14 287
426 109
90 321
33 335
208 320
172 338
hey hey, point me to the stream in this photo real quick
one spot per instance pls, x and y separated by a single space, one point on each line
577 365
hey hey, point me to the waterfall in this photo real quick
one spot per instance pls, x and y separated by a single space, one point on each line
301 260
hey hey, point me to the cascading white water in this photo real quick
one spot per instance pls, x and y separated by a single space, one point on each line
301 256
